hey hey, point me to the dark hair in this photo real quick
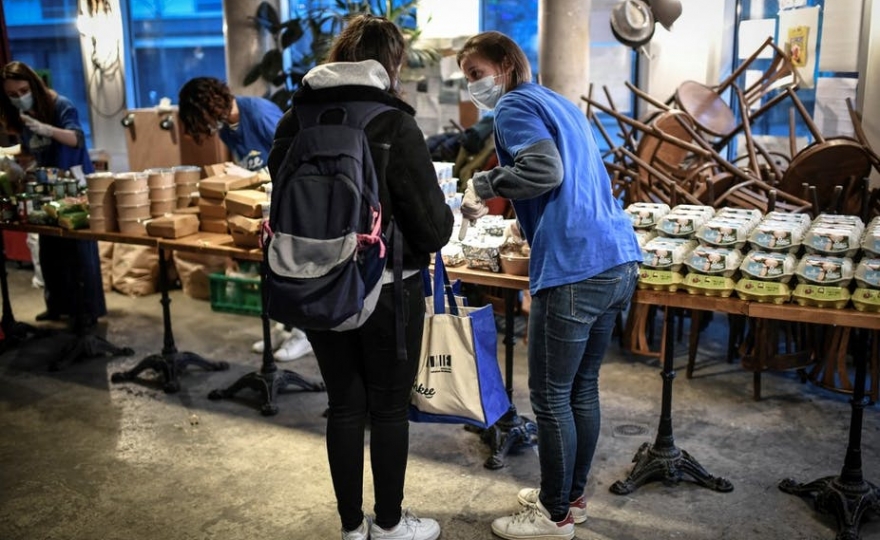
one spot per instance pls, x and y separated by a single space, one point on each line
203 102
44 97
499 49
368 37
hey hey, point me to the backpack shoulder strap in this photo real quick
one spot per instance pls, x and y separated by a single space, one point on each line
356 114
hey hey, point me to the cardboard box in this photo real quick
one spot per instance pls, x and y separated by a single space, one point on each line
173 226
213 225
245 240
216 187
212 208
227 167
244 225
194 210
246 202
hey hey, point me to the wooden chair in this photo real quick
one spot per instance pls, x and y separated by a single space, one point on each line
706 105
826 163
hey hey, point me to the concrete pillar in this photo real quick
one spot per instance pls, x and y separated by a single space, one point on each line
868 98
104 68
245 44
564 46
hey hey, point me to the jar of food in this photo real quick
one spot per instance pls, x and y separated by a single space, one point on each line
25 207
30 188
7 210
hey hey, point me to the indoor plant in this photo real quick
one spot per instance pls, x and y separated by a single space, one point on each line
307 38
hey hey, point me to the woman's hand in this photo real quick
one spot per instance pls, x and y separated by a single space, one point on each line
44 130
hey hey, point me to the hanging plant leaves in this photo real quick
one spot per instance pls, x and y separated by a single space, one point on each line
267 17
253 74
271 65
291 32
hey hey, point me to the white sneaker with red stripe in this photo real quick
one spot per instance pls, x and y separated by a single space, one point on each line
533 523
578 508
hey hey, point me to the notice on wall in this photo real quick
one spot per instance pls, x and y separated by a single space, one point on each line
798 29
841 28
831 114
796 45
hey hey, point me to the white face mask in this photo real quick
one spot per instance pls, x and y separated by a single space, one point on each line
485 93
23 103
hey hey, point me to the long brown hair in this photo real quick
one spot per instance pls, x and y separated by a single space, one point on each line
44 97
499 49
202 102
368 37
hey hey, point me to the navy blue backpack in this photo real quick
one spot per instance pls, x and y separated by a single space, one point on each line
324 250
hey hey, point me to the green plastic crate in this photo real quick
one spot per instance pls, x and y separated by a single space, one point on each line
236 295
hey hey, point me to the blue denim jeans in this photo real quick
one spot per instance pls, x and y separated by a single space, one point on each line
570 328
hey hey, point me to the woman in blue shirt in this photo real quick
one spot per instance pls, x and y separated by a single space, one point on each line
50 131
583 268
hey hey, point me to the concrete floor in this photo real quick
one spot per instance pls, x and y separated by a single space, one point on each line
85 458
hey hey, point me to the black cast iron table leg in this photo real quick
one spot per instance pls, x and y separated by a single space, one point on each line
14 331
269 380
170 363
511 430
848 496
663 460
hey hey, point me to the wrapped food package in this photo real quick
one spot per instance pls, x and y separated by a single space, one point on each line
667 253
835 235
867 273
825 270
645 215
730 232
778 233
684 220
870 242
769 265
714 260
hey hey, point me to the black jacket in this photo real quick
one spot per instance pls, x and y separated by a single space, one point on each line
407 180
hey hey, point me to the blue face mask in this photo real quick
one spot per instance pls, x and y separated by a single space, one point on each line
485 93
23 103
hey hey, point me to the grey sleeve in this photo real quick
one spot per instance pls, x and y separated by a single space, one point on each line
536 170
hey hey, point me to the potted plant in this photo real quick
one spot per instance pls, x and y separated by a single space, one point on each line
307 38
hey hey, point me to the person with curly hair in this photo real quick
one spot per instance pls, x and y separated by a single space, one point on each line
49 128
246 125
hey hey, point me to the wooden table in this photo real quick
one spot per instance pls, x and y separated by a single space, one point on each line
85 344
170 362
848 496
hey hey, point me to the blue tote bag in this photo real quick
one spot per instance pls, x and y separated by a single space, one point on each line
459 380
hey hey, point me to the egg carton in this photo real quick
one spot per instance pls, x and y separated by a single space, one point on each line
769 292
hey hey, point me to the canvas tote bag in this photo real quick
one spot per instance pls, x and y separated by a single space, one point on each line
459 380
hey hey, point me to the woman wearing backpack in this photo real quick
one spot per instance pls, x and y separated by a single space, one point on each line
582 271
366 382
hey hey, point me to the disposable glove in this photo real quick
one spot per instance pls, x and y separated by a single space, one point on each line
472 206
44 130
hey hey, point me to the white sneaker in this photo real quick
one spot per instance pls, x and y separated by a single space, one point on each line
277 336
361 533
533 523
578 508
296 346
409 528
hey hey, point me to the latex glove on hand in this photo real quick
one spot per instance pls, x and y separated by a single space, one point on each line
44 130
472 206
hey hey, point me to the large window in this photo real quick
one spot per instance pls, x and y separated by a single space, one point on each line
172 42
43 35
